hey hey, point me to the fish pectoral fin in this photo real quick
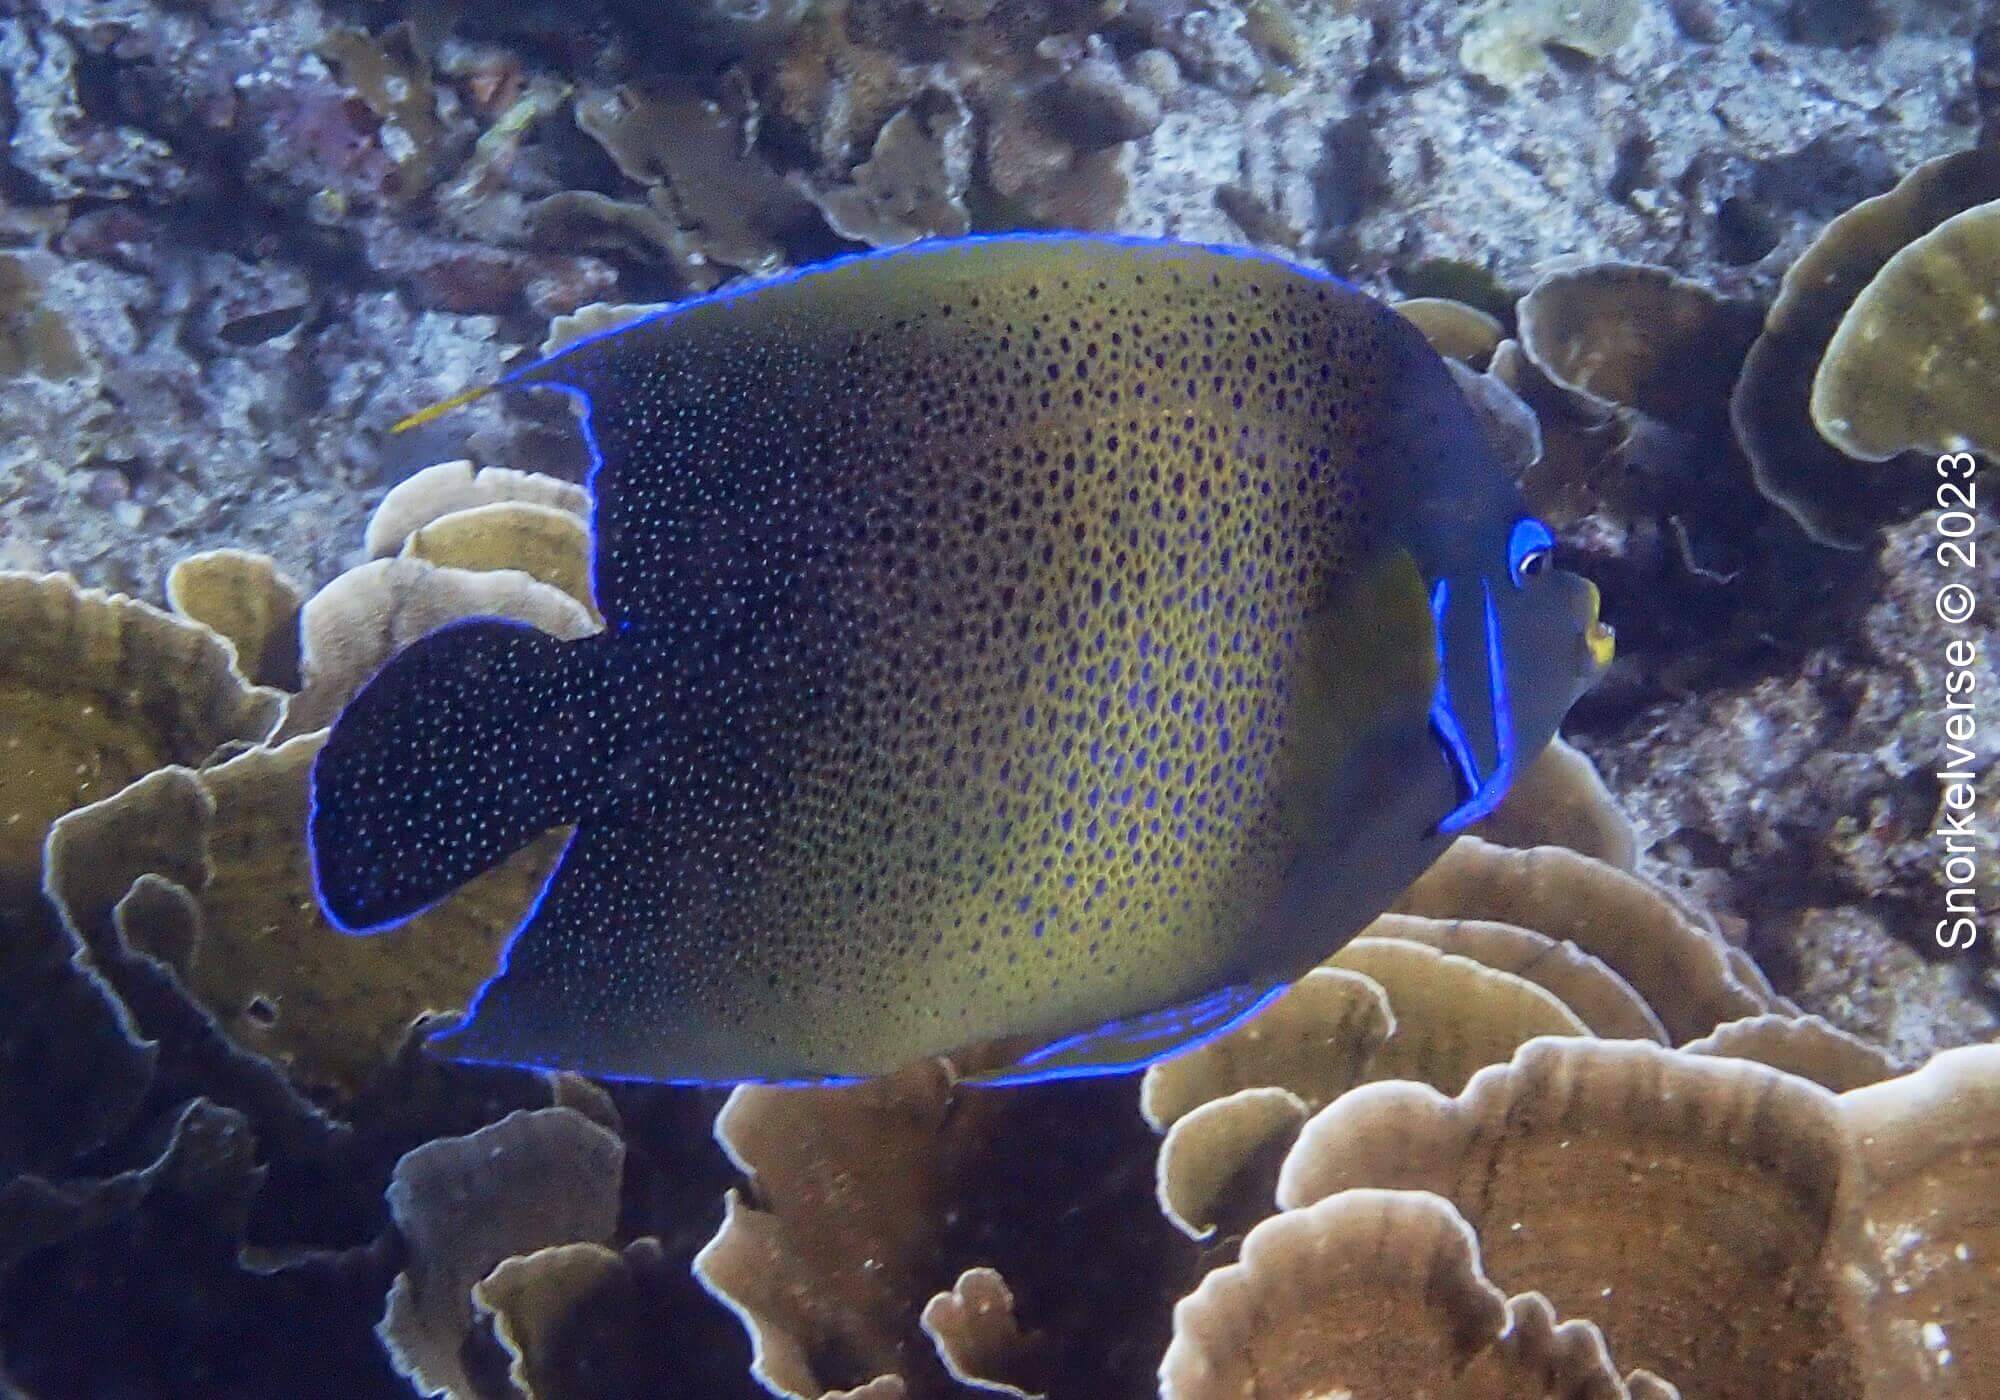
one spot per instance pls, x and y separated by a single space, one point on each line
1370 649
1134 1042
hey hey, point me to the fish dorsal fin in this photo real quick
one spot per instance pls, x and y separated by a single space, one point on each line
1136 1041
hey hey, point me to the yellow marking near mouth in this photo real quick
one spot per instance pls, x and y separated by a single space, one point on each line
1602 641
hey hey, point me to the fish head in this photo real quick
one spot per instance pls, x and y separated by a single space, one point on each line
1519 641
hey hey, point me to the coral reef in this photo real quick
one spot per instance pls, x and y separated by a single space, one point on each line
1625 1096
901 1237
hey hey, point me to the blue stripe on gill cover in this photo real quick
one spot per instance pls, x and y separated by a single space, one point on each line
1484 794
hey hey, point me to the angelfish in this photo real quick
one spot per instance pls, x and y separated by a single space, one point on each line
1063 639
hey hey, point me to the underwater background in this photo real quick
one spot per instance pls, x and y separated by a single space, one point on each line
1677 1075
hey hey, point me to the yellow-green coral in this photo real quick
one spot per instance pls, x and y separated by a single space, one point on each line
97 690
1455 330
1504 41
1915 363
435 492
1836 499
245 598
544 542
248 941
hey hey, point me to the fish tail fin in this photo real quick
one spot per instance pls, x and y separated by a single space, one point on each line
459 752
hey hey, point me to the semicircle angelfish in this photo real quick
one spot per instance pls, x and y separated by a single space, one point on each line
1053 637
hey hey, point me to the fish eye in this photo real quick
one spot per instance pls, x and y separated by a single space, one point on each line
1529 549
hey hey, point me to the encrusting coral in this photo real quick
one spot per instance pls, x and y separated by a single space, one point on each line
1506 41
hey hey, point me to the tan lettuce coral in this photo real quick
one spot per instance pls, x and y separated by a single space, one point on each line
427 496
1807 1046
351 627
242 928
1317 1040
1837 499
1283 1320
1914 361
1629 336
447 543
1734 1229
1680 1202
817 1160
1919 1237
1491 948
1561 801
1691 979
1207 1177
533 1301
214 858
550 545
531 1181
1628 369
841 1232
977 1336
717 202
913 183
245 598
95 691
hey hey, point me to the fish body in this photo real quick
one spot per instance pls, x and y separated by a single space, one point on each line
1056 638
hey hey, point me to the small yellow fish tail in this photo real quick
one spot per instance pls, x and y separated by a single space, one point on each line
444 406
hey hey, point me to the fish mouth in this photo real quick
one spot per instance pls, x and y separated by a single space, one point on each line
1598 637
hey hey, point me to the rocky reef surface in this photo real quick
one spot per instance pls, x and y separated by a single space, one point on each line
240 238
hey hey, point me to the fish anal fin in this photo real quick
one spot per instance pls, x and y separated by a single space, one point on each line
1132 1043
